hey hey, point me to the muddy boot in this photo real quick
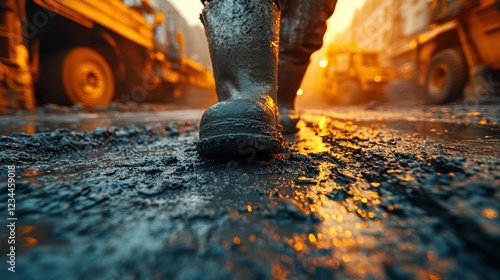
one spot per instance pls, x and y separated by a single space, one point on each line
243 38
289 79
301 34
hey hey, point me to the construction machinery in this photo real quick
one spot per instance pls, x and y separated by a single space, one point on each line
353 75
462 41
90 52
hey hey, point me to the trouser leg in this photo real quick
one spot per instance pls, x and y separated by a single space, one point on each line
303 25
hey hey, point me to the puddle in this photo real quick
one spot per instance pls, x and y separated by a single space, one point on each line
444 130
87 121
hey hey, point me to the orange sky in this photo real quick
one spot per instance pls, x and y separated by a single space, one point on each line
342 17
190 9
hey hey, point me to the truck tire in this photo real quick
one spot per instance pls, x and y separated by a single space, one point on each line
446 77
349 93
79 75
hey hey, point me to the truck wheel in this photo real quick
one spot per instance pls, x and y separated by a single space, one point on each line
80 75
446 77
349 93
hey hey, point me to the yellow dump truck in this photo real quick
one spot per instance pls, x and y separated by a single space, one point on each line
89 52
464 36
353 75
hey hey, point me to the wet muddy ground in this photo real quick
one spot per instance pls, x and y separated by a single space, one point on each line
358 193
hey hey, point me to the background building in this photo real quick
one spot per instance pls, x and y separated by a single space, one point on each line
389 26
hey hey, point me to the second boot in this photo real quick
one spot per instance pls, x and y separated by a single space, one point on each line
303 25
243 39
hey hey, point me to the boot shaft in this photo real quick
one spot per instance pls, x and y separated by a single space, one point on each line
243 39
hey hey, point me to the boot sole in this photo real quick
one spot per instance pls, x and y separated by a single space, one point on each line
238 145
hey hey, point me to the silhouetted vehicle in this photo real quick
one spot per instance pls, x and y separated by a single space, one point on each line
90 52
464 37
353 75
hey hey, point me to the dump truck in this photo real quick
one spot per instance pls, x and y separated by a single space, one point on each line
461 42
353 75
90 52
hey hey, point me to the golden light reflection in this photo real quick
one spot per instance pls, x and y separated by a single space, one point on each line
346 258
30 242
300 92
312 238
27 229
298 246
322 124
344 223
30 129
431 255
490 213
434 276
278 271
236 240
344 232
